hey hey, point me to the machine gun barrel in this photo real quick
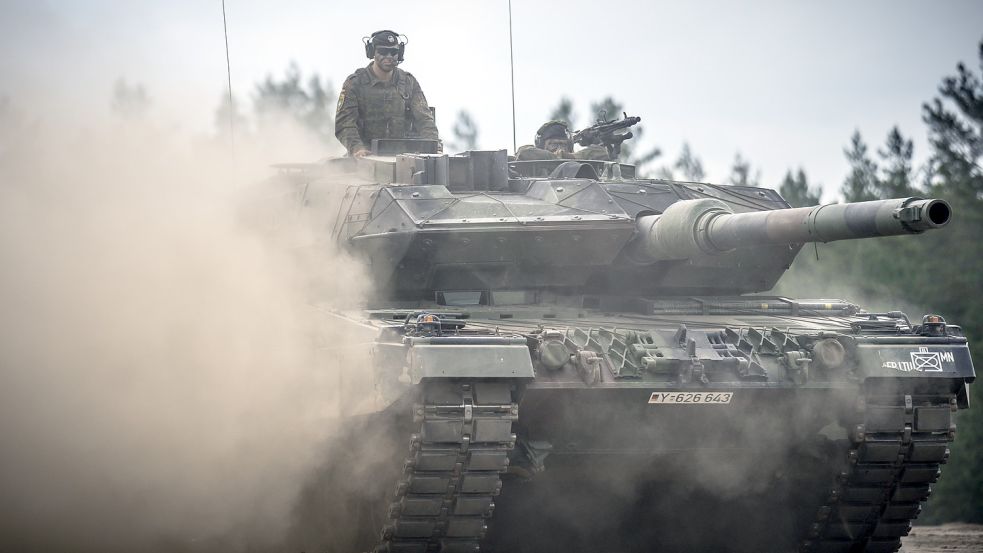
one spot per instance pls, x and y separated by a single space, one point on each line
603 129
603 133
691 228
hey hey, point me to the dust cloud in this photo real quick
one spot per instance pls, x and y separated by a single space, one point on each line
804 281
745 479
164 382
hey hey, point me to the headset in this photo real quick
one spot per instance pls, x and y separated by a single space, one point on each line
370 46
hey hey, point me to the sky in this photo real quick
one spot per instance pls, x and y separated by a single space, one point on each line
785 83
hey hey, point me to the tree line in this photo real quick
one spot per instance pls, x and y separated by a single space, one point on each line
940 272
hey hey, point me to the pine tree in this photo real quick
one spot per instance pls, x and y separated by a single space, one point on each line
689 165
956 138
797 191
606 110
862 183
897 180
312 106
940 271
955 134
740 173
465 133
564 112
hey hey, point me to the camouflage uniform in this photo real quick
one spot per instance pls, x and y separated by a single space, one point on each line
530 153
558 130
370 108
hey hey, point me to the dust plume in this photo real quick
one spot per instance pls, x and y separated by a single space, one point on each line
163 379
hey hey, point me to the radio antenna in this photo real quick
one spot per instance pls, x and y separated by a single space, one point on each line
228 72
512 71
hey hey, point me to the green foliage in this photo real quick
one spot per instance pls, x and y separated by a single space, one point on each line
861 184
938 272
897 180
606 109
955 132
797 191
564 112
892 178
465 133
311 104
689 165
956 137
740 173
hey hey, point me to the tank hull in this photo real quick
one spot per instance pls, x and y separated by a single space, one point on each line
672 431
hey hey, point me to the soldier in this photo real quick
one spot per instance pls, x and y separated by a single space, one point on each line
553 142
381 100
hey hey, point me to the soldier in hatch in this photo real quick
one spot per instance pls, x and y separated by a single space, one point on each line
381 100
553 141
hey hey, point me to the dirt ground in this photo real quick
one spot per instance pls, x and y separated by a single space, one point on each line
948 538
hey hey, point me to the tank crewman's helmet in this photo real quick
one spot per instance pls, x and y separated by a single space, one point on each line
553 129
385 39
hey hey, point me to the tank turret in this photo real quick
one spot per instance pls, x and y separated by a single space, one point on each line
708 226
431 223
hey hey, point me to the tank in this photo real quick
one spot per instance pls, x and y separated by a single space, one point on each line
569 358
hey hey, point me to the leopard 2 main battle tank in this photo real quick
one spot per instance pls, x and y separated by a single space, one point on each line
569 358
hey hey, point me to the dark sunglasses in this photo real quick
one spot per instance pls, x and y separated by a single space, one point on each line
387 51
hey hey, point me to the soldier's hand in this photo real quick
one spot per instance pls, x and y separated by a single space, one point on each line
361 153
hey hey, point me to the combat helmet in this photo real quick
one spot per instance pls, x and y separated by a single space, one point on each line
554 128
385 38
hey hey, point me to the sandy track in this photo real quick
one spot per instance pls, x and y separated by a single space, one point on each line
948 538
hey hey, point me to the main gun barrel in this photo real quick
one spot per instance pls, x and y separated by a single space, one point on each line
708 226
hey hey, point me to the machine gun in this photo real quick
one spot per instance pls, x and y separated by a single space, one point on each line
604 132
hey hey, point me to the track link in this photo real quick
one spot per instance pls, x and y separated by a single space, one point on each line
896 450
445 495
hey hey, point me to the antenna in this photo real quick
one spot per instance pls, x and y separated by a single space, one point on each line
228 70
512 71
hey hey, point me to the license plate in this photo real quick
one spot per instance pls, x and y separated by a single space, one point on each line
691 398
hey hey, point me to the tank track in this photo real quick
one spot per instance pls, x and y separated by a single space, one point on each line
445 495
897 446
